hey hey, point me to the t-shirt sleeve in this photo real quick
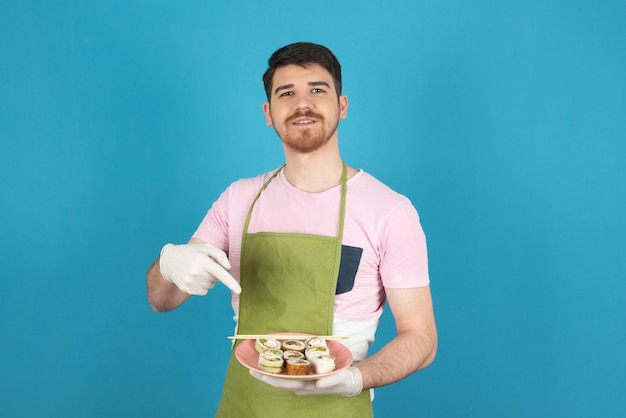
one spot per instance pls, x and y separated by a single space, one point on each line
214 226
404 257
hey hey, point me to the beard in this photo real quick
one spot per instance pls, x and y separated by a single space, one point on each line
304 141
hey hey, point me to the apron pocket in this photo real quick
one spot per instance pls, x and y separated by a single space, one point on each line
350 259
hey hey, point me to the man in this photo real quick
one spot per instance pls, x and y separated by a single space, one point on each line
315 246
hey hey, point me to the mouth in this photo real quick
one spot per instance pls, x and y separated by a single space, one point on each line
304 118
303 122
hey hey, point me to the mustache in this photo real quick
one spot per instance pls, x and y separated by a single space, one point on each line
304 113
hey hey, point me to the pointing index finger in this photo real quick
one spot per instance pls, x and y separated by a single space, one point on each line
229 281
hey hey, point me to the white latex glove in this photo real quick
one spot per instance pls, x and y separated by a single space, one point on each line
347 382
195 268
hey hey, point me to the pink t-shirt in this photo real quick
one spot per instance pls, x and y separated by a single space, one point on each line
380 221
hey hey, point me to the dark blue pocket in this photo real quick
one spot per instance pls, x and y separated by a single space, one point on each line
350 259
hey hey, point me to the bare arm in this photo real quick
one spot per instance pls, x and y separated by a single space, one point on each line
163 295
415 344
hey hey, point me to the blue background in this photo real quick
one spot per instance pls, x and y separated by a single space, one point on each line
503 121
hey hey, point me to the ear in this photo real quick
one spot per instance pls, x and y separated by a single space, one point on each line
343 107
268 116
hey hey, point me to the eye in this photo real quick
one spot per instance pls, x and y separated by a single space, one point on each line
317 90
287 93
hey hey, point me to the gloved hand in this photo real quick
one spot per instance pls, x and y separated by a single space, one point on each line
347 382
195 268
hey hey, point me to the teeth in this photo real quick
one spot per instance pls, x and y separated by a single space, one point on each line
302 122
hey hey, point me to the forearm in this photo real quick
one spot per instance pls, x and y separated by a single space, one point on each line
415 344
407 353
163 295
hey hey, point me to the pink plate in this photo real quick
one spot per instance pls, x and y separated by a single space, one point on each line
249 357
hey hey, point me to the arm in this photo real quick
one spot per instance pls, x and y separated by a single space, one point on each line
184 270
163 295
415 344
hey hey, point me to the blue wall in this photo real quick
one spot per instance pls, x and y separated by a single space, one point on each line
504 122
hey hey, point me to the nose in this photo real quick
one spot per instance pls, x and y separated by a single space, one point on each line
303 103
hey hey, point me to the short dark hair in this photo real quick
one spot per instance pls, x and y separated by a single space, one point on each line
302 54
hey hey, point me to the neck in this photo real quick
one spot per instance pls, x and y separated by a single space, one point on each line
316 171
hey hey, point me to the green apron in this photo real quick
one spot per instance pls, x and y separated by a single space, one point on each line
288 282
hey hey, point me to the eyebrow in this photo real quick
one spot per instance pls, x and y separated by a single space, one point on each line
310 83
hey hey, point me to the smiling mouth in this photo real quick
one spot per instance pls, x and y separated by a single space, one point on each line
303 122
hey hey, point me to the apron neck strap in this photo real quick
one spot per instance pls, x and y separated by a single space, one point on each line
342 205
247 222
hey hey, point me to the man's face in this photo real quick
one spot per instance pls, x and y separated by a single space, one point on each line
304 108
